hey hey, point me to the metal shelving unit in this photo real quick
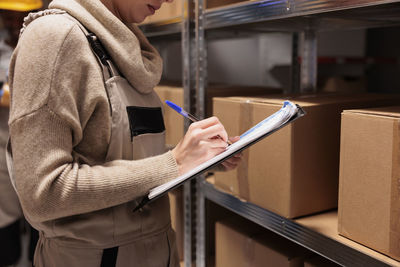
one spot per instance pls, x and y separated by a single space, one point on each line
302 18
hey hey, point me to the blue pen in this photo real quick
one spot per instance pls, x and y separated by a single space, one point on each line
181 111
186 114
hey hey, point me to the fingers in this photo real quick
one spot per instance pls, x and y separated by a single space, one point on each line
234 139
231 163
227 166
236 159
215 131
217 143
206 122
204 139
208 128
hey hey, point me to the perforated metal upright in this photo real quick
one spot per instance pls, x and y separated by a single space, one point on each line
184 29
189 59
201 84
308 69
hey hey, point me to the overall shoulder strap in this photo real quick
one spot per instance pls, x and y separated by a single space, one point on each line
9 161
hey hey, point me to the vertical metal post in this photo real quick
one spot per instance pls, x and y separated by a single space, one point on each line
295 68
200 227
189 57
188 79
201 84
308 79
187 242
201 47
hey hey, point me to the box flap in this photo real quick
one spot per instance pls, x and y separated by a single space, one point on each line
392 111
315 99
275 100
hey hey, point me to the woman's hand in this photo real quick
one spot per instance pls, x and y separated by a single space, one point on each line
233 161
199 144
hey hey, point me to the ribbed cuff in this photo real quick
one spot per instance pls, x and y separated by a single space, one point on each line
169 166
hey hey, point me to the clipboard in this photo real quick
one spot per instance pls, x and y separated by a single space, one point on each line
288 113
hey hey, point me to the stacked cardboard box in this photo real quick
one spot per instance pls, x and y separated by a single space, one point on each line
167 13
174 127
173 12
221 3
293 172
369 194
340 84
174 122
242 244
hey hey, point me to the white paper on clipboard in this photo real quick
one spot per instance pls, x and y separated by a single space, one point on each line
286 114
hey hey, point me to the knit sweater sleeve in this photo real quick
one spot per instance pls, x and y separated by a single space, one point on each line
53 103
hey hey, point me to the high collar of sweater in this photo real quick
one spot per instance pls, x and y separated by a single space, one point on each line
137 60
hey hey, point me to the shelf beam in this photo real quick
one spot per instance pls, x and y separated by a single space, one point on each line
162 29
294 15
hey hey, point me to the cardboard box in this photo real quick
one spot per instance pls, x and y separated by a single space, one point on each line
174 122
340 84
169 12
243 244
293 172
177 218
369 192
220 3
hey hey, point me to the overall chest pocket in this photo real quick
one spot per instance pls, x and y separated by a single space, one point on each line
147 131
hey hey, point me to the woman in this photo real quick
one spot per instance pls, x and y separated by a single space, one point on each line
87 136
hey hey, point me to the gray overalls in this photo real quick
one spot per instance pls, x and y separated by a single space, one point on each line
117 236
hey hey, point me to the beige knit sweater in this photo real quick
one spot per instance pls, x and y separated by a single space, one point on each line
60 118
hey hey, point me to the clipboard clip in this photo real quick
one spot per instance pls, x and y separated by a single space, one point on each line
140 206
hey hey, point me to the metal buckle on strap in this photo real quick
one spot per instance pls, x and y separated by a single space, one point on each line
98 48
101 53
